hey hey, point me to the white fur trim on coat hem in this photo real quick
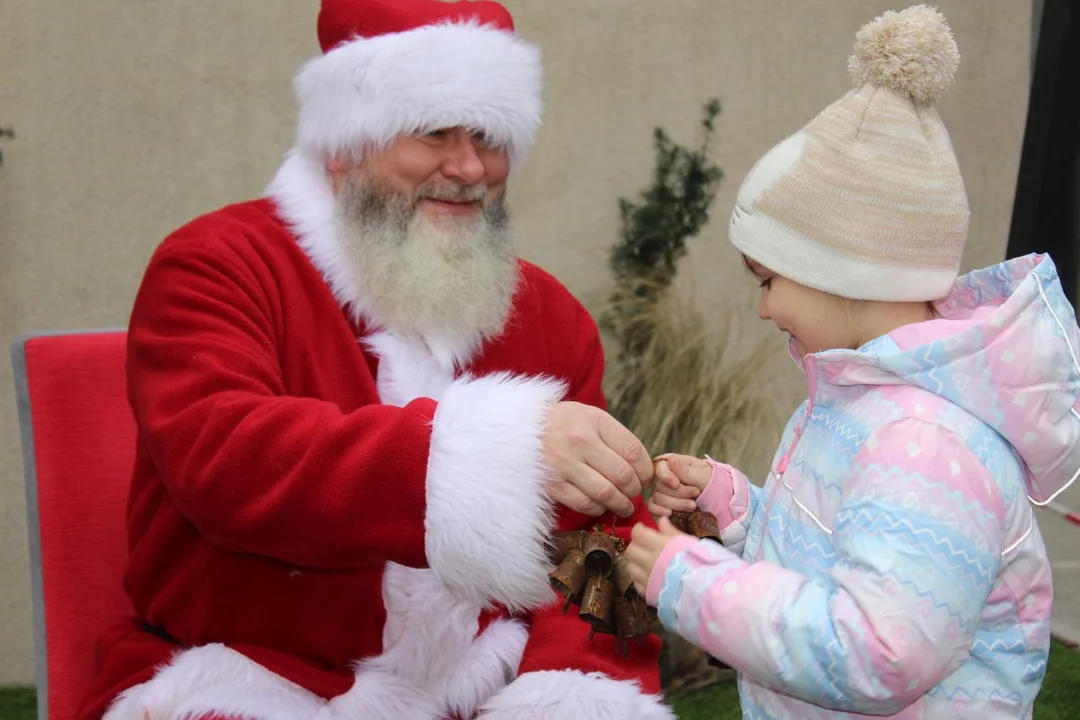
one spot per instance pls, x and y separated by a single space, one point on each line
384 692
366 91
432 655
559 694
214 679
488 515
379 694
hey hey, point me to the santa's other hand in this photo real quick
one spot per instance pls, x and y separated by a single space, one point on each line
598 465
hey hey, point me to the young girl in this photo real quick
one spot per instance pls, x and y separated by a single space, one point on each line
891 565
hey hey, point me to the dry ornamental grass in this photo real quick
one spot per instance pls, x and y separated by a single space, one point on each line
694 387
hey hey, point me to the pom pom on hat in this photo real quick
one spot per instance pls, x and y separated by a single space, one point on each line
911 51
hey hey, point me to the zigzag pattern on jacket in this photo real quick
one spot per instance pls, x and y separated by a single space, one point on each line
892 564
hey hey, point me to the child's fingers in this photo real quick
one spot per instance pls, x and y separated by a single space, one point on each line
655 509
700 475
644 541
641 533
672 503
679 465
692 472
665 527
665 476
683 491
635 553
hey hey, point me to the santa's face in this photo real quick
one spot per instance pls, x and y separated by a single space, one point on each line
431 253
432 167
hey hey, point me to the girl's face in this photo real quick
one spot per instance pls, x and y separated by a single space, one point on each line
815 320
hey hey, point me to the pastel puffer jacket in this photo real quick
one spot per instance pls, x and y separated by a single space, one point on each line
892 565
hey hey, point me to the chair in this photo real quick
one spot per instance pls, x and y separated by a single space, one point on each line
78 443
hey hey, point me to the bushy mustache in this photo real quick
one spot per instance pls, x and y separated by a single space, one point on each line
365 203
451 191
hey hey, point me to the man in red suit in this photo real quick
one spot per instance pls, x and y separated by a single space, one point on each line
360 416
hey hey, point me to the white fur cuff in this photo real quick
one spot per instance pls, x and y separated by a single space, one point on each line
559 694
488 515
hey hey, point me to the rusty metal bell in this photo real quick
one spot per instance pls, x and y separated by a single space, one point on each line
568 578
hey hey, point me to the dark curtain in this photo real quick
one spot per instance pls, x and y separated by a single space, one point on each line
1046 208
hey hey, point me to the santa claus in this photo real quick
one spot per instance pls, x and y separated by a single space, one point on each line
361 417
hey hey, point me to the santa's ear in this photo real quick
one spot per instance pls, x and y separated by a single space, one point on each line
335 168
335 164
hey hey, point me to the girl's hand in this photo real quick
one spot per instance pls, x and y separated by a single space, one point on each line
679 481
645 547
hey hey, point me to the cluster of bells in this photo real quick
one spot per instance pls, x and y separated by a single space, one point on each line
592 573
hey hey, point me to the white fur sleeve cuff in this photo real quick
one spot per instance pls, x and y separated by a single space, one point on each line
560 694
488 515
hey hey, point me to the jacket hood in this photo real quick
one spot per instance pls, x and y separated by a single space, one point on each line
1003 349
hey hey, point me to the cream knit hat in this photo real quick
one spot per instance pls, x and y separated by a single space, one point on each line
866 201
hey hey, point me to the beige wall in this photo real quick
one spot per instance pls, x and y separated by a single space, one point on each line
133 117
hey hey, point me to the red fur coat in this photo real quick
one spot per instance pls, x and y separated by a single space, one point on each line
308 494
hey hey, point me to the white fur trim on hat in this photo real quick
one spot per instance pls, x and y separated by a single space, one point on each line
365 92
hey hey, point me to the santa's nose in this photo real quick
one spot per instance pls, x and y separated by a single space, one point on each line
463 161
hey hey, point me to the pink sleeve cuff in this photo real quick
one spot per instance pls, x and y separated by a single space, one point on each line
717 495
656 576
726 496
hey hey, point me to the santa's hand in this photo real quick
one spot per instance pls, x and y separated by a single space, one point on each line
680 479
598 464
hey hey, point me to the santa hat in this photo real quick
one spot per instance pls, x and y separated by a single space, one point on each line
391 67
867 200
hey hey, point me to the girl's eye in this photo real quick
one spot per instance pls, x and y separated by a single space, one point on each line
764 284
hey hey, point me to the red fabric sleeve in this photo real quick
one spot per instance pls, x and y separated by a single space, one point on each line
253 469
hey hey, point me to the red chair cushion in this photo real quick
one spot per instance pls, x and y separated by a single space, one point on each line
84 446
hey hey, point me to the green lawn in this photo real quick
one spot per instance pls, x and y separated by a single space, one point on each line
1059 699
18 704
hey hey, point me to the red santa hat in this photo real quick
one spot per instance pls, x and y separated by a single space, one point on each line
391 67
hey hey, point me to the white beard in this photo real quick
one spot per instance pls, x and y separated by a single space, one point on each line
450 283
